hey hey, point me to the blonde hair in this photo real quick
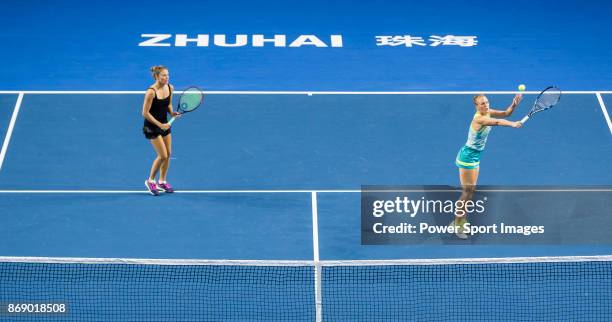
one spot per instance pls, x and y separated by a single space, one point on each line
477 96
156 70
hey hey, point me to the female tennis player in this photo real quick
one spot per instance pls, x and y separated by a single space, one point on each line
155 109
468 158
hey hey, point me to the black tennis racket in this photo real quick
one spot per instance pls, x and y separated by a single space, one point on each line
189 101
546 100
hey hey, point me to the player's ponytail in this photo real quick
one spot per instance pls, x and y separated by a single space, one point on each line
156 70
476 97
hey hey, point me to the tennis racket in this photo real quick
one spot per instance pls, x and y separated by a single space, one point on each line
191 98
547 99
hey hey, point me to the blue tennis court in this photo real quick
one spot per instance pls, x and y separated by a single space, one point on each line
266 223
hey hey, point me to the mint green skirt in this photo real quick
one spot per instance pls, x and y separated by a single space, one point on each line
468 158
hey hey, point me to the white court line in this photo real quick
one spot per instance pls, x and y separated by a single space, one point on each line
317 265
315 227
24 191
605 111
9 131
312 92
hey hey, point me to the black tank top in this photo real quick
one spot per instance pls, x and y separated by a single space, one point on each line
159 108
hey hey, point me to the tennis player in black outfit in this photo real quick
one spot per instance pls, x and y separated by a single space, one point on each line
155 109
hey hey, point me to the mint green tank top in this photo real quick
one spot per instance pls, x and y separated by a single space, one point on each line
477 139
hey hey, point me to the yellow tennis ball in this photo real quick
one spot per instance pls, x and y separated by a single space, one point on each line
521 87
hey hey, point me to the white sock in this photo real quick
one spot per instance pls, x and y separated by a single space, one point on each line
162 182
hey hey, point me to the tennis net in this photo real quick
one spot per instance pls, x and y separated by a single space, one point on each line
503 289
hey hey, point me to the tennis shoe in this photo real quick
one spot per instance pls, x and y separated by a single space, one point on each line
459 229
152 187
165 187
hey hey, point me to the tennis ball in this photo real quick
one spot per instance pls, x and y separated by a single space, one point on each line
521 87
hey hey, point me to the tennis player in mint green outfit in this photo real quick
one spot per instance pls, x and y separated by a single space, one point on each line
468 158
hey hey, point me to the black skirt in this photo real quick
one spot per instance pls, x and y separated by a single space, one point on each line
151 131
